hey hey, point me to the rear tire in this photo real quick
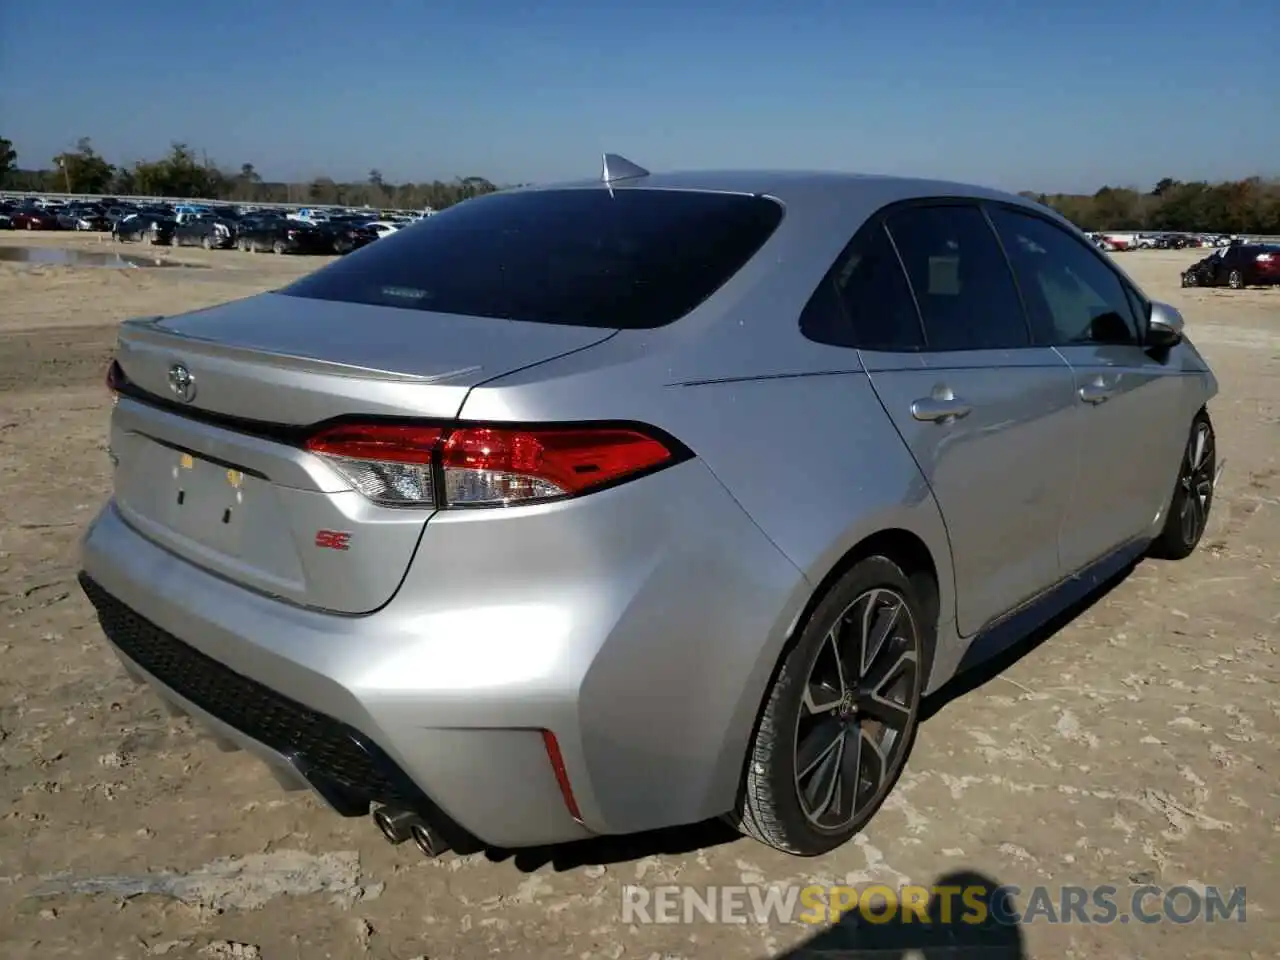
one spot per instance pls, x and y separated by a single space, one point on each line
206 242
1192 500
278 248
1235 280
841 716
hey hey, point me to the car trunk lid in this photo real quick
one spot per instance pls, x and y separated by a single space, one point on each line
206 433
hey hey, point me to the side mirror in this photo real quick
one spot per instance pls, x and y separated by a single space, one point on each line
1164 327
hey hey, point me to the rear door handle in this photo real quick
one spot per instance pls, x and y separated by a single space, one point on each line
938 410
1096 392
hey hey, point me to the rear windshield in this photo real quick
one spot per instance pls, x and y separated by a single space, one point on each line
629 259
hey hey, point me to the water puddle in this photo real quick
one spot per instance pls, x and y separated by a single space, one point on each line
62 256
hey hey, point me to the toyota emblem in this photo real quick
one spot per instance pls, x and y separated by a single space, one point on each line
182 383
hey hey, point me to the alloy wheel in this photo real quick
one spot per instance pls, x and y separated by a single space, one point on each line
1196 483
859 706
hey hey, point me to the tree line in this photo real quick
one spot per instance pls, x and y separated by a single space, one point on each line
182 173
1250 206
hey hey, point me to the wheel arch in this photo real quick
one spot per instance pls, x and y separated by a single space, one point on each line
904 548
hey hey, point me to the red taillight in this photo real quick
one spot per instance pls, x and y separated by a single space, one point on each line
405 464
390 442
487 465
1265 258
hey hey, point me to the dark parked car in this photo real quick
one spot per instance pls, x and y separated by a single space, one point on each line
152 228
33 218
1237 266
347 233
212 233
279 235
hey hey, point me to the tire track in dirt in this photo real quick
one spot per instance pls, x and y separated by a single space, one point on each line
56 358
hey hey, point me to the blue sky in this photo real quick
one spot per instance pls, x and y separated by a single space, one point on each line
1020 95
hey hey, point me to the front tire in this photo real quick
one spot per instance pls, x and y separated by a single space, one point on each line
1188 515
841 717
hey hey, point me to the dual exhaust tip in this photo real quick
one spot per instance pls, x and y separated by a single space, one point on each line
401 825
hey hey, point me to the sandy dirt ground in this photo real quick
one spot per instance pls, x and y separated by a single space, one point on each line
1137 744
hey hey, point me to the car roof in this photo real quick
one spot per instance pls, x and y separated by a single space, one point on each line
795 185
811 196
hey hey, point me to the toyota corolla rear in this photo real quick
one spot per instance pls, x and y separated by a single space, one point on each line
315 550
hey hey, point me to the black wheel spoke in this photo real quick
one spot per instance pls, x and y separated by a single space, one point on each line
826 685
878 623
879 702
1188 518
849 792
873 768
818 768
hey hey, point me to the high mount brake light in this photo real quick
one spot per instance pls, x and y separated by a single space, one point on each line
416 465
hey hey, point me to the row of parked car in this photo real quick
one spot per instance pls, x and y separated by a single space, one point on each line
211 227
1113 242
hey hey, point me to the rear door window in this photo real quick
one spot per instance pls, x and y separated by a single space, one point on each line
961 280
629 258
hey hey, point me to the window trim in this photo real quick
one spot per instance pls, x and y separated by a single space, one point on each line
878 220
1126 285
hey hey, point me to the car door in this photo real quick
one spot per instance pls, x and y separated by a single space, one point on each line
1128 401
985 412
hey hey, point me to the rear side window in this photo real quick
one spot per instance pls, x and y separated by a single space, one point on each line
865 302
962 282
630 258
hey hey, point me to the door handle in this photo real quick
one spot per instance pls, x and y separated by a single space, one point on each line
1095 392
940 410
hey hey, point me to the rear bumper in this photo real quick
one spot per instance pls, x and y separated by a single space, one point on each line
640 630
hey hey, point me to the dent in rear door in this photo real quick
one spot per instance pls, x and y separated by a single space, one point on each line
1003 474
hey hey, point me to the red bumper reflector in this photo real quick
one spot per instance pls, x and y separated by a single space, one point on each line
562 776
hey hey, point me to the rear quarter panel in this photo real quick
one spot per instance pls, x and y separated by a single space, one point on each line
811 458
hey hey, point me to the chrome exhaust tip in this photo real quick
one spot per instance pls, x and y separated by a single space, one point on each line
427 839
395 825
